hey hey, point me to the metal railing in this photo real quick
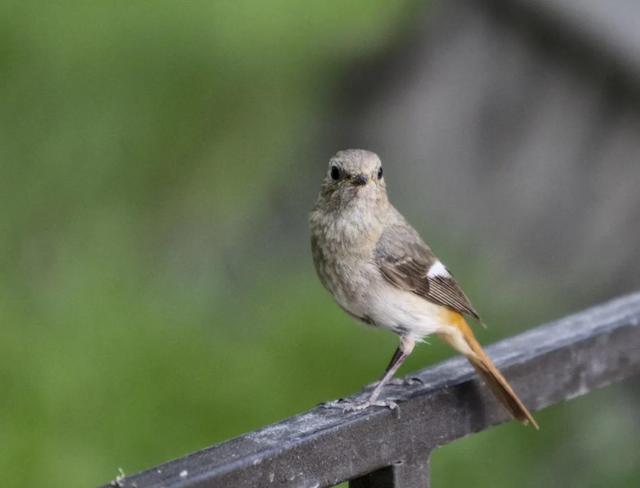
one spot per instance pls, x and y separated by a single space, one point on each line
391 448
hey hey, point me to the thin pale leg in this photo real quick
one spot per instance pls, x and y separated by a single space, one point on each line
402 352
396 361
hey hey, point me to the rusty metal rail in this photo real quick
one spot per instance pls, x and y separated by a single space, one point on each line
384 448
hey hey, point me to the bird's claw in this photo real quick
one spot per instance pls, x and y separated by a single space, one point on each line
348 406
397 382
393 381
357 406
407 381
413 380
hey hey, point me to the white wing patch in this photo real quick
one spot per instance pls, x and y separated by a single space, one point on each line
438 269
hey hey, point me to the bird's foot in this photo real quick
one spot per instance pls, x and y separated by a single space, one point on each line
349 406
392 381
413 380
357 406
407 381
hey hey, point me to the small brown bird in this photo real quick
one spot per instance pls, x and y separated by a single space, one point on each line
381 272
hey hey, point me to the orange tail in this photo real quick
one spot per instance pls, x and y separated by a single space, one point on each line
467 344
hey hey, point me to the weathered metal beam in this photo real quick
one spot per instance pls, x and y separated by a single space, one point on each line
323 447
405 474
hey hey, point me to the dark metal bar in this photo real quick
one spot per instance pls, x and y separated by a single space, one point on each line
323 447
402 474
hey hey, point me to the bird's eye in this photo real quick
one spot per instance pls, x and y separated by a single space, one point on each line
335 172
380 172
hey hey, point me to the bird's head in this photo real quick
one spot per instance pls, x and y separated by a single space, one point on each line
354 176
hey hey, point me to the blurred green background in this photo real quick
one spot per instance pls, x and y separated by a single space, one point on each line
146 150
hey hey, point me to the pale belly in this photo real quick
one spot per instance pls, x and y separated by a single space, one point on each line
378 303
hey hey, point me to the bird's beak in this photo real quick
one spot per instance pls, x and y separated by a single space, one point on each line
359 180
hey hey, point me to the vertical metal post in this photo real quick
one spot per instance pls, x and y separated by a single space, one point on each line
413 473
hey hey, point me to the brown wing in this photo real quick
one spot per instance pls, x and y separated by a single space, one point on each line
405 260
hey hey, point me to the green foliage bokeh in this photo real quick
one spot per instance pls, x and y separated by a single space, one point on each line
139 143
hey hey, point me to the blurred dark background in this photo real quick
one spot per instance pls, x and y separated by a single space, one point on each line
157 164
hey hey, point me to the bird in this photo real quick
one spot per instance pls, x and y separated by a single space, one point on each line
380 272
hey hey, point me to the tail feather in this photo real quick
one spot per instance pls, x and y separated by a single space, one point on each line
486 369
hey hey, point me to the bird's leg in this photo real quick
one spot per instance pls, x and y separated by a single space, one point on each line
402 352
386 378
